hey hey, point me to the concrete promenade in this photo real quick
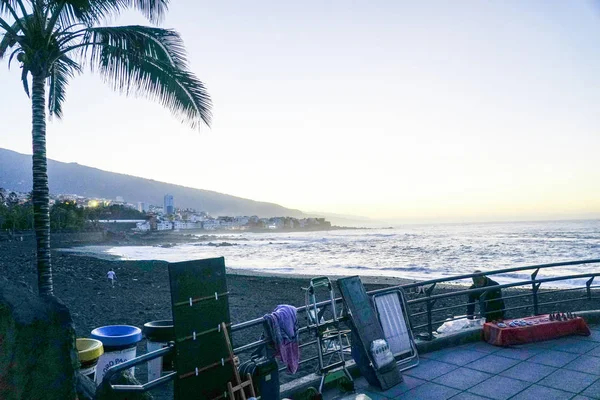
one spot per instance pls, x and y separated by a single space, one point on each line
566 368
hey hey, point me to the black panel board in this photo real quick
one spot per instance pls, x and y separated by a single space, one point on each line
200 279
366 327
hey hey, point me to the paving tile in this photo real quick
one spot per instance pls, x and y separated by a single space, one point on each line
357 395
592 391
571 381
456 356
553 358
462 378
430 369
499 387
430 391
576 346
408 383
529 372
493 364
580 397
361 383
594 337
484 347
518 353
594 352
585 363
372 395
336 395
545 344
468 396
536 392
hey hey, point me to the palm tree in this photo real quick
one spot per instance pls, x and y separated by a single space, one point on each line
54 39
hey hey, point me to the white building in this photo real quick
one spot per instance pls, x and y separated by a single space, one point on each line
241 221
142 207
197 218
179 225
211 224
164 226
143 226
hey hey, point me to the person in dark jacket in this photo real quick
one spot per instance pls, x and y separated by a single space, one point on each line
494 306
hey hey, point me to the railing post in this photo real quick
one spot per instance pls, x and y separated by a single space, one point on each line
430 304
534 289
482 305
588 288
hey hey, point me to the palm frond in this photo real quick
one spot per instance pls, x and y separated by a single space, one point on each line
162 44
24 73
7 5
153 10
90 12
12 9
12 55
151 62
9 39
62 70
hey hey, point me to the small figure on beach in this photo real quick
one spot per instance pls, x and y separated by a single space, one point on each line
111 277
494 304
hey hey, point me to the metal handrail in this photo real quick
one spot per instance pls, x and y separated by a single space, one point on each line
493 272
115 369
429 299
506 285
258 321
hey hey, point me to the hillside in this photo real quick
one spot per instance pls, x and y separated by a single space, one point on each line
72 178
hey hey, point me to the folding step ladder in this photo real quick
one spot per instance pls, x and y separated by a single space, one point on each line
328 334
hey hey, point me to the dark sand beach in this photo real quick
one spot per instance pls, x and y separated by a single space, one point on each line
142 294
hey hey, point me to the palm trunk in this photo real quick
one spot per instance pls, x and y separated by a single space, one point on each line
40 198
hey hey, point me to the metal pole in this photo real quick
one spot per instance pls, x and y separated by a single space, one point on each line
534 289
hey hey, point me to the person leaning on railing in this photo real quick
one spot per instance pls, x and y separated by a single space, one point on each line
494 306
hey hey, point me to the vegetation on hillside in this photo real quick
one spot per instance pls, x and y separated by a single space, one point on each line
64 216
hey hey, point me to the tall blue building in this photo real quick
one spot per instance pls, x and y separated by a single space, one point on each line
169 205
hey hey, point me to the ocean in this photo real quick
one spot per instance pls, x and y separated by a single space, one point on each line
415 252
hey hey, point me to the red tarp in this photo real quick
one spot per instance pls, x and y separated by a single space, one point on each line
495 335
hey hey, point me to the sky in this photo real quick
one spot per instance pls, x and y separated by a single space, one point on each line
396 110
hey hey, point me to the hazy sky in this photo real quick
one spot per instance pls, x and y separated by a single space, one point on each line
412 110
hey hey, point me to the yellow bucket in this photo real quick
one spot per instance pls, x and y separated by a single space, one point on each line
89 351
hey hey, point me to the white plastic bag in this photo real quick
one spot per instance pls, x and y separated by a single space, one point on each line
460 324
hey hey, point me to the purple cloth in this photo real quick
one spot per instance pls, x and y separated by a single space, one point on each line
282 324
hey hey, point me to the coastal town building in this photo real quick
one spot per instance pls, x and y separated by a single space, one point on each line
169 205
211 224
167 217
143 226
142 207
164 226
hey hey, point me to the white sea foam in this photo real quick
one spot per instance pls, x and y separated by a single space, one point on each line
412 252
